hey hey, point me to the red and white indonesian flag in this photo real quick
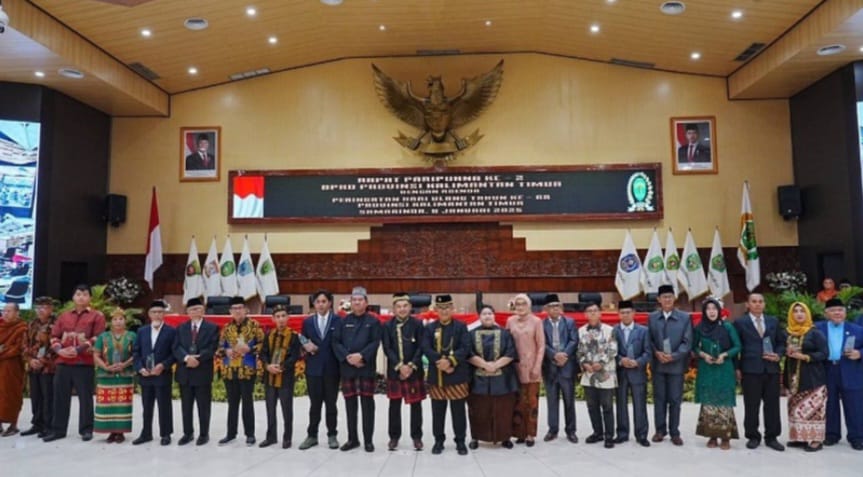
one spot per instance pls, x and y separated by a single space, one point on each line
228 270
248 200
212 277
691 271
154 243
265 274
747 246
628 278
193 284
247 288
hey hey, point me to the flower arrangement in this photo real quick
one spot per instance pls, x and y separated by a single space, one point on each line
779 282
122 291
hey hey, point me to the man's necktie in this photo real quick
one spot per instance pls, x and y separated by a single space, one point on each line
759 325
691 152
194 333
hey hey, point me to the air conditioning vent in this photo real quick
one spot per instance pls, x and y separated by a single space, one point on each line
633 64
144 71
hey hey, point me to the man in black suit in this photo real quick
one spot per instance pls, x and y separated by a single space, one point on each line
559 368
322 369
194 348
693 151
356 344
671 340
154 358
758 369
201 159
634 351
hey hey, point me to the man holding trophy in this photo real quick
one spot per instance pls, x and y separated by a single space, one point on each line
279 353
154 360
194 348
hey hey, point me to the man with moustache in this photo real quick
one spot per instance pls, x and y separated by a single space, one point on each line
154 360
194 350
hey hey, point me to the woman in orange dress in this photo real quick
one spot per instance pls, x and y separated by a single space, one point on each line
13 343
828 290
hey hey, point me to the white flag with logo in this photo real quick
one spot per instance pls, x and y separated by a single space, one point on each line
246 286
747 246
672 264
691 272
717 273
228 270
653 269
193 283
265 273
212 274
628 278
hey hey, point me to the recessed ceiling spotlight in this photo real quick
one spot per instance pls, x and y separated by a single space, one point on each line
39 74
831 50
146 33
737 14
251 11
594 28
196 23
193 70
70 73
488 23
272 40
331 3
672 8
610 1
695 55
382 27
861 49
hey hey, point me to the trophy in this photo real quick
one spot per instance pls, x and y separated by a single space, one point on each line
630 351
277 358
116 357
714 350
241 341
666 346
768 345
848 347
193 349
151 362
41 353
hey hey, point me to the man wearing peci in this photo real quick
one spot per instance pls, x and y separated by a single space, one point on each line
559 368
322 368
634 352
758 371
194 349
154 360
671 340
693 151
201 159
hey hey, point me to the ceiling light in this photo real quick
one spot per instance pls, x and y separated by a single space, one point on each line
273 40
609 1
695 55
251 11
672 8
331 3
70 73
831 50
382 27
861 49
488 23
196 23
39 74
737 14
193 70
594 28
145 32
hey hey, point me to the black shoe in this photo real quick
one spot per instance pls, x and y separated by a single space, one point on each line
620 440
609 443
165 441
202 440
775 445
830 442
369 447
266 443
519 441
437 448
644 442
286 444
350 445
676 440
53 437
393 444
572 438
461 448
530 443
41 434
753 443
226 440
250 440
507 444
857 445
87 436
793 444
550 436
473 445
593 439
185 440
32 431
810 448
141 440
418 444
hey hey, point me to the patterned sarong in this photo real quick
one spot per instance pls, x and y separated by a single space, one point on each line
807 412
113 404
411 390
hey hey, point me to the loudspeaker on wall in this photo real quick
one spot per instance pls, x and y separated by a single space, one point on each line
115 209
790 202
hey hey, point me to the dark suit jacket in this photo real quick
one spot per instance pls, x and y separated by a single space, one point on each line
702 154
568 344
851 369
163 353
208 339
750 360
357 334
456 343
679 331
194 162
642 351
412 338
322 363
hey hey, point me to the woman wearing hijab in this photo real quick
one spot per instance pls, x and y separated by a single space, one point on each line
716 345
805 379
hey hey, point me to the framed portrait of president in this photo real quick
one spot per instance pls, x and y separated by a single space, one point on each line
200 153
693 145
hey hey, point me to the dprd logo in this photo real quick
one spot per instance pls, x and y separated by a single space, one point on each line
673 263
693 263
639 191
718 263
655 265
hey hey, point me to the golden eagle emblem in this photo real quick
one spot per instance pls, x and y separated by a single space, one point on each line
437 115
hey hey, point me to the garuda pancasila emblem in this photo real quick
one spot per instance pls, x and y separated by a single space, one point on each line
437 115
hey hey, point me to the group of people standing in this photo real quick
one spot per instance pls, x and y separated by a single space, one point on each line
489 376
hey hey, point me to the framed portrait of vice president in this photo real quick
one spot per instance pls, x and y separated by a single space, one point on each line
693 145
200 153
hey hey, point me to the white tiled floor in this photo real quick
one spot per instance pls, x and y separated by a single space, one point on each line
20 456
